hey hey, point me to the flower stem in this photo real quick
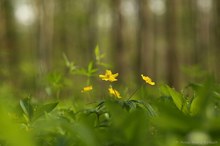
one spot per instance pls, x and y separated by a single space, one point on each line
135 91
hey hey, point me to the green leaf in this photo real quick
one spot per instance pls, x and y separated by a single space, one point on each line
90 66
216 94
97 52
27 107
10 133
164 90
71 65
81 71
66 59
147 106
105 65
98 55
91 69
202 99
129 105
177 97
195 105
42 109
150 110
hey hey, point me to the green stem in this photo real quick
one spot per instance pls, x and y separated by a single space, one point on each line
135 91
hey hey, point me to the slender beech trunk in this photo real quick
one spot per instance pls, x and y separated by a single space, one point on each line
216 36
45 34
9 55
142 59
172 58
117 36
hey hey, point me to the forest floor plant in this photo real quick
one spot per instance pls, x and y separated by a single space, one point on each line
154 114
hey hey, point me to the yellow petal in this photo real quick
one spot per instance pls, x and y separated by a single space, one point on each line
108 76
147 79
87 88
114 92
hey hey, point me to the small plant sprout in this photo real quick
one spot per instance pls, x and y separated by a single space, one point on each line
70 65
108 76
148 80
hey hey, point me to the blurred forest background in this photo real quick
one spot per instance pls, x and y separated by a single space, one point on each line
165 39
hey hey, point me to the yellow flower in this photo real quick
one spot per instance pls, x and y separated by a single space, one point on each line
87 88
114 92
108 76
147 80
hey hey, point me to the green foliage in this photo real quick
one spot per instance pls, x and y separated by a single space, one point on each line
10 132
27 108
99 57
90 71
42 109
71 65
178 99
157 115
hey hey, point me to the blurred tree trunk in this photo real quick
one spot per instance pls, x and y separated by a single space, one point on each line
76 30
44 40
187 43
189 32
216 36
155 45
117 36
61 26
64 29
171 34
142 62
8 38
195 57
45 34
92 28
159 53
203 35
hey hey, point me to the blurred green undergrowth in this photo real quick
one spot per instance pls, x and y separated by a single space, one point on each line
149 115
